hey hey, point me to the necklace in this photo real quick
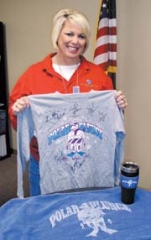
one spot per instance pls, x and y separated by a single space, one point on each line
66 71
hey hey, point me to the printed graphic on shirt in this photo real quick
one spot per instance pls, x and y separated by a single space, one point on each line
76 142
78 145
91 215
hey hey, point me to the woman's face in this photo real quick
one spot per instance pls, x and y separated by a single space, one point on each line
71 41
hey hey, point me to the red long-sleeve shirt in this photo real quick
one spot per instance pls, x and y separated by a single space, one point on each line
41 78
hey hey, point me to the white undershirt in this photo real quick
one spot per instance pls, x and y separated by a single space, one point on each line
65 71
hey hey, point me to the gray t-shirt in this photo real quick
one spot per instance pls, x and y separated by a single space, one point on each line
80 138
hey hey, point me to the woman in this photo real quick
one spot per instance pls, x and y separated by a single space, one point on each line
65 71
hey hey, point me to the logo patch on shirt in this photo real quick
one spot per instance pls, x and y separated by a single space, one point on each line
89 81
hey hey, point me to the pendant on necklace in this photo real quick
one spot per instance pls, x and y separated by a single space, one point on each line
76 89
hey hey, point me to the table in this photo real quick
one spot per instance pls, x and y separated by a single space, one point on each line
97 214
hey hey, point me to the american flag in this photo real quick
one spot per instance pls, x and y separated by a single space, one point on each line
105 53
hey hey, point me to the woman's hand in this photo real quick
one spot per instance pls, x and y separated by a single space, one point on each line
121 99
20 105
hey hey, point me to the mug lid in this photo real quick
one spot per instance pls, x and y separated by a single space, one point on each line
130 167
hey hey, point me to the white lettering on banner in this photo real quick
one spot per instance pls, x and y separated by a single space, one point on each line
62 214
91 206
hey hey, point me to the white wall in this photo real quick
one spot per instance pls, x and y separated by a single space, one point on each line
134 58
28 34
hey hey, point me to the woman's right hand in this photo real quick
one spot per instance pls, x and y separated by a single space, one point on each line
20 105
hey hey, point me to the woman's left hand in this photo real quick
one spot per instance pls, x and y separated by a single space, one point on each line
121 99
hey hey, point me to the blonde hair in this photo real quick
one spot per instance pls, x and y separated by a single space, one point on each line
69 14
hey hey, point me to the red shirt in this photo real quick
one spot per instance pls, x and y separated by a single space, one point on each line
41 78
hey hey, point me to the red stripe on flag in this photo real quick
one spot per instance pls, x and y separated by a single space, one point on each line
105 48
106 30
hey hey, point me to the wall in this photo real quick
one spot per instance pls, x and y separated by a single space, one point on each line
28 33
134 58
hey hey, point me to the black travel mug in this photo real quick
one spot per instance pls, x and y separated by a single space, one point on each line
129 181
